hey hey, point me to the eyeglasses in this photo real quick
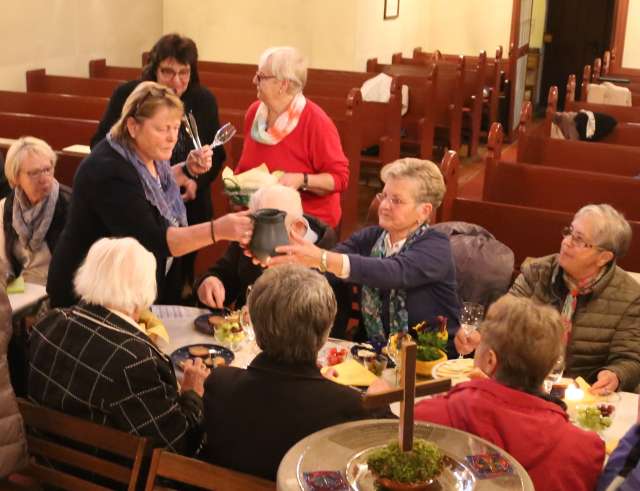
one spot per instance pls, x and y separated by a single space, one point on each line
261 76
170 73
152 92
45 171
576 240
392 199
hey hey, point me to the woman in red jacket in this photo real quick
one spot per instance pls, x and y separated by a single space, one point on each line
520 343
289 132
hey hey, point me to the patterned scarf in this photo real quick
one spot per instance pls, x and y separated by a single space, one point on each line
371 302
284 125
163 193
583 287
32 222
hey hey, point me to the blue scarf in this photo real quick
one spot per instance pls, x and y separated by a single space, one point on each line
163 193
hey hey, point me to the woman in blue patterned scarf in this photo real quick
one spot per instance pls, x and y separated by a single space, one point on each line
404 268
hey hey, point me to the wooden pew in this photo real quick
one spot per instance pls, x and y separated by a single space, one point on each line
58 132
39 81
620 113
529 232
588 78
625 133
60 105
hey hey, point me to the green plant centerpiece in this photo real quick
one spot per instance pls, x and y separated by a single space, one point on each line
416 469
431 345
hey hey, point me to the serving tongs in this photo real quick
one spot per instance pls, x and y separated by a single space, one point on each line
192 130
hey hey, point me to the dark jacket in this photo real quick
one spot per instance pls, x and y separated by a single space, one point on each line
425 270
51 238
253 416
623 464
91 363
236 271
201 102
107 201
606 323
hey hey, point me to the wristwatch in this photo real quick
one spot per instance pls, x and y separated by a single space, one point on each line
305 181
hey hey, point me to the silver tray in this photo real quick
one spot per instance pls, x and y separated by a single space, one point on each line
346 447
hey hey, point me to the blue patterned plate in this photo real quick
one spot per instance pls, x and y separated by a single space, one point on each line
180 355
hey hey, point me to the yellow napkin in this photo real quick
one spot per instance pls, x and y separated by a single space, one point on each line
153 327
610 445
16 286
252 179
351 372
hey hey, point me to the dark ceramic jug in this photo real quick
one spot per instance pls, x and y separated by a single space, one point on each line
268 232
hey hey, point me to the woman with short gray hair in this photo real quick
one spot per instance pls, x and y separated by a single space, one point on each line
254 416
403 267
109 370
598 301
289 132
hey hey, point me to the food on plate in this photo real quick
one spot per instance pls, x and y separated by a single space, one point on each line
215 362
392 467
595 418
376 363
461 367
199 351
215 320
336 355
229 331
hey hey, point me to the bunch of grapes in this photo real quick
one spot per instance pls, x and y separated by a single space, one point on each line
595 418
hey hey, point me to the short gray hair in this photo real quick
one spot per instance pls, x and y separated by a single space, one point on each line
19 150
292 309
286 63
611 231
280 197
424 173
118 273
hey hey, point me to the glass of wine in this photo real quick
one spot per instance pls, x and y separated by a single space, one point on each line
223 135
471 316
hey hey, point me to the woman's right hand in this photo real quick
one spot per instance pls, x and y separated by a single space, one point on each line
236 227
466 343
195 373
211 292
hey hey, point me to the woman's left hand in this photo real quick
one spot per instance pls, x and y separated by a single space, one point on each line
606 384
199 161
293 180
190 189
299 251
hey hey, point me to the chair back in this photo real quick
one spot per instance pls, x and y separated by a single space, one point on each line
194 472
56 437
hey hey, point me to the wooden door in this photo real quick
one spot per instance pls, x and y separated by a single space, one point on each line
577 31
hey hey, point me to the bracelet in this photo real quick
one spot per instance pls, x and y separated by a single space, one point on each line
323 262
213 232
305 181
187 172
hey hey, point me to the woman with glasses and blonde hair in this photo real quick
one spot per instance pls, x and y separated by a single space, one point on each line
173 62
33 214
289 132
405 268
126 187
598 301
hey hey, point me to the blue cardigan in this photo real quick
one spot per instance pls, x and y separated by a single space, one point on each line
425 270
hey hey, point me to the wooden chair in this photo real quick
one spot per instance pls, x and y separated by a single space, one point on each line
67 431
197 473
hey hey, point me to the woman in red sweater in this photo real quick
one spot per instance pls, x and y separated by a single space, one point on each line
520 343
289 132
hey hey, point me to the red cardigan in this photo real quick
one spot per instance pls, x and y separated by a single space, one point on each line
557 455
312 147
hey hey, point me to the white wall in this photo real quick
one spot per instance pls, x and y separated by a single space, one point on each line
631 53
63 35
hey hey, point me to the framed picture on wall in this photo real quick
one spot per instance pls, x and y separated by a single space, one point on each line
391 9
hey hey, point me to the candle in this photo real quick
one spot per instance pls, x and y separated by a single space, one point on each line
572 397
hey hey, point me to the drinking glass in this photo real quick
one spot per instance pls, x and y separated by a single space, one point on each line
223 135
554 375
471 316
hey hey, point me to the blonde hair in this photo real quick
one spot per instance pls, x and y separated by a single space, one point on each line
527 340
427 176
286 63
143 103
117 273
19 150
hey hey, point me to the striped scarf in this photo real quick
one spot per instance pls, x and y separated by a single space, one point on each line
582 287
284 125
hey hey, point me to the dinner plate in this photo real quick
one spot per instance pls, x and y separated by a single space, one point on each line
182 354
455 368
202 321
365 347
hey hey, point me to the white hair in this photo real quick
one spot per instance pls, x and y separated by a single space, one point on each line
119 274
286 63
611 230
279 197
23 146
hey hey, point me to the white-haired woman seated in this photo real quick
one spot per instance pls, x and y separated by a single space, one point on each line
598 301
289 132
94 361
32 216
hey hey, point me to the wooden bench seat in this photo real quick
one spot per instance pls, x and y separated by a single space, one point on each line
60 105
57 132
40 81
620 113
